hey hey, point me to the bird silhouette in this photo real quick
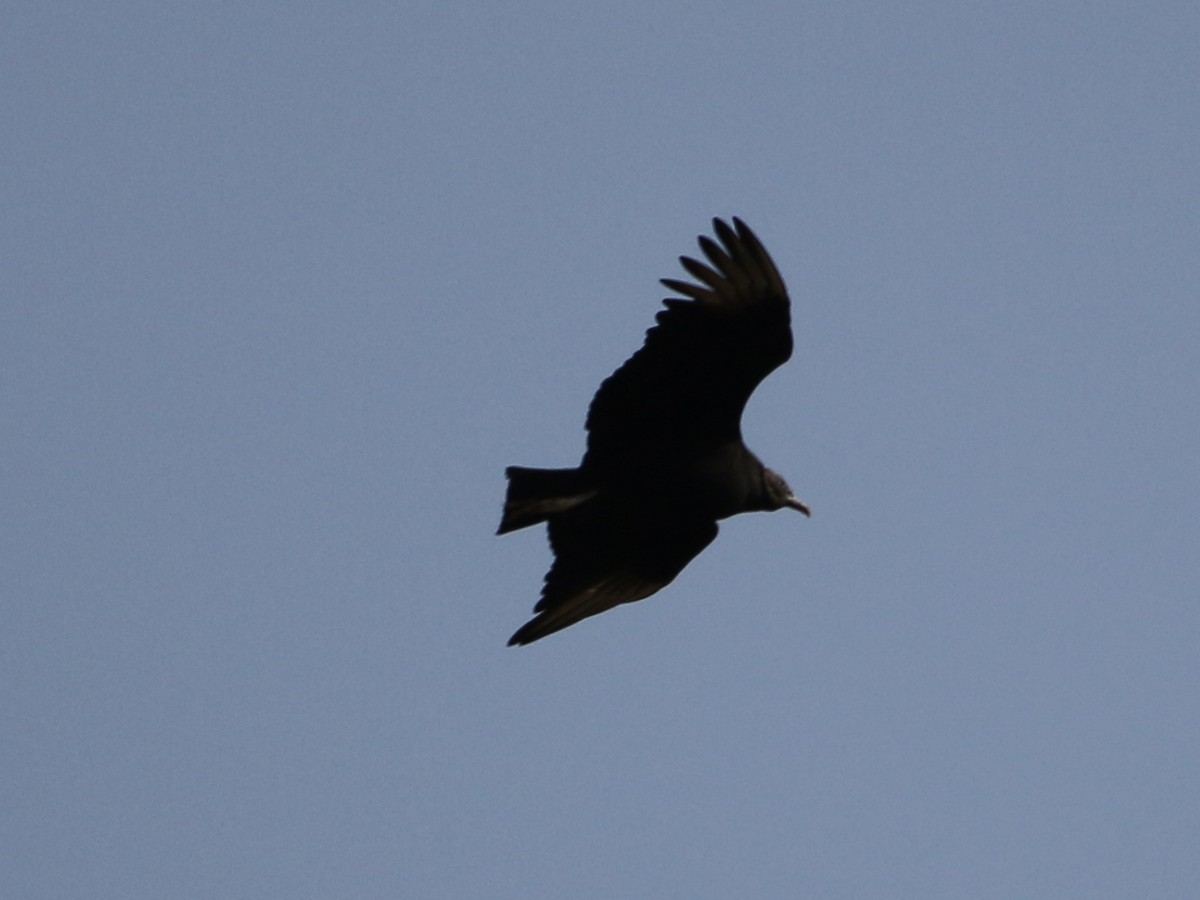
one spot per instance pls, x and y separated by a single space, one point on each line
665 458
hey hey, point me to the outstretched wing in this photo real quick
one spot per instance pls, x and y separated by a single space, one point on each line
605 557
690 381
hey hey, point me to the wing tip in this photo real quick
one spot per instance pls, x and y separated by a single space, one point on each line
695 291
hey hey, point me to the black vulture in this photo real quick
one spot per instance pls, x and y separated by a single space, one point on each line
665 458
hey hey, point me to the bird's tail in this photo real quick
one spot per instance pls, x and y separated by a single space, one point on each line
534 495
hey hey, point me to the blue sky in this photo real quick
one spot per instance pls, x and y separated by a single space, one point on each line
287 286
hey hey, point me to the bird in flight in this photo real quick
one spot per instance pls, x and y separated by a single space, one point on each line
665 458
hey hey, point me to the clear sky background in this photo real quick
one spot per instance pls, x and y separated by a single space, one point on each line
286 286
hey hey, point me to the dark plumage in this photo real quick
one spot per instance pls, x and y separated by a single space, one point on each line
665 458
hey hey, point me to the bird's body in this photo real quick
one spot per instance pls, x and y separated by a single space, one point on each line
665 458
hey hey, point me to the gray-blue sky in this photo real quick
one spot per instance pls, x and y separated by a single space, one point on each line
285 287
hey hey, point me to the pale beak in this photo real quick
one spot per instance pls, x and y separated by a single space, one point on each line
792 503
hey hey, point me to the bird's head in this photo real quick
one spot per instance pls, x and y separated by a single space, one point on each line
779 495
